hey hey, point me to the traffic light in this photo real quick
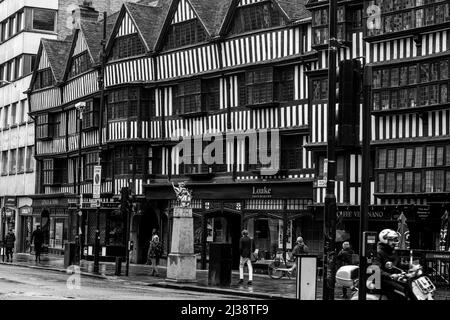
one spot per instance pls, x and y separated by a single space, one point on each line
349 91
125 201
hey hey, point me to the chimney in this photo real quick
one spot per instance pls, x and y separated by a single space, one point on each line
84 12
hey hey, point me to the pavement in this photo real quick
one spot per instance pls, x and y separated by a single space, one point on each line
263 286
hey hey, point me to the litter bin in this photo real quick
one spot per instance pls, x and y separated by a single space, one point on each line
70 253
118 266
220 264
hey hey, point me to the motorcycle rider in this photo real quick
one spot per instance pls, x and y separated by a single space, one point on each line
388 241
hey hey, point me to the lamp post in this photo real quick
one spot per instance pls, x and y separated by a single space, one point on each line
329 223
80 108
101 86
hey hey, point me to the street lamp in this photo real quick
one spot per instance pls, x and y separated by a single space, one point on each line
80 106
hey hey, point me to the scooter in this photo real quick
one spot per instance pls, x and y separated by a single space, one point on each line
420 285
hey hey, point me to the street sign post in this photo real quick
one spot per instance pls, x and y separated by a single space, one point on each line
97 182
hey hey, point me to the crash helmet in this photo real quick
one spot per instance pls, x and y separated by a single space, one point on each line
388 234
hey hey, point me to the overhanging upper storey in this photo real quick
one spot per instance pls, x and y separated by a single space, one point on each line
387 19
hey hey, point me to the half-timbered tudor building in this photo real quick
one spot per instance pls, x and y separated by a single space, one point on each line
407 53
184 75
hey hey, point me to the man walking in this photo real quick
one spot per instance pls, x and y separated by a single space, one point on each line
10 239
344 258
38 237
300 248
245 250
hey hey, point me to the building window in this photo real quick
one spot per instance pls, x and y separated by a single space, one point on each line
408 182
90 161
127 46
320 89
439 176
123 103
23 111
447 181
391 158
255 17
291 148
409 157
382 158
284 85
447 153
399 183
439 156
21 160
259 86
129 160
429 181
188 96
44 78
4 162
91 114
5 116
400 158
12 161
14 113
30 159
381 182
154 160
211 94
79 64
44 19
418 159
430 157
390 182
185 34
417 182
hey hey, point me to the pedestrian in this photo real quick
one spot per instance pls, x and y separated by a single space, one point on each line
300 248
38 237
154 253
9 244
344 258
245 249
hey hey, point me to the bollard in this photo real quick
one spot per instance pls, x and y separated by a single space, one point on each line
118 266
306 285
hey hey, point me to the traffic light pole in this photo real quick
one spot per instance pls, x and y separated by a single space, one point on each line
101 86
329 223
365 182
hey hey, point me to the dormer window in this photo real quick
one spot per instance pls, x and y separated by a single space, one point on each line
80 63
44 79
185 34
127 46
259 16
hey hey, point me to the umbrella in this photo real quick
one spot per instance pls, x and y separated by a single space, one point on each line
443 241
403 232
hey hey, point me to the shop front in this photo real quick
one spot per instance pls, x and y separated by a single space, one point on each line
422 221
273 213
51 214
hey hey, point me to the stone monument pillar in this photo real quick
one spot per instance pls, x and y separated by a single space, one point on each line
182 262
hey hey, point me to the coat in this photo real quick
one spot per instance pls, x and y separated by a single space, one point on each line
245 247
384 254
9 240
38 237
299 249
155 250
344 257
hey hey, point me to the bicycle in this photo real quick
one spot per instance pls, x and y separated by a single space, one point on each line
280 268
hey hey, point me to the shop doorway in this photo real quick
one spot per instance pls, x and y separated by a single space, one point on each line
225 227
26 232
143 225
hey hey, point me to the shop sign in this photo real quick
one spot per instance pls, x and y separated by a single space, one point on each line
261 192
422 212
9 212
10 202
50 202
25 211
355 214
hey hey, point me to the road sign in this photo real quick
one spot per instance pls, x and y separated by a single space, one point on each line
321 183
95 203
97 182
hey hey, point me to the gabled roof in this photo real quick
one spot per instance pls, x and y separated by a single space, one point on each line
294 10
211 13
149 20
57 52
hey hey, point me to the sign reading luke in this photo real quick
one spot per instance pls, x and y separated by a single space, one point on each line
184 195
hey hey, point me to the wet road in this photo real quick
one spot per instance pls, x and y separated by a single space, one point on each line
18 283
